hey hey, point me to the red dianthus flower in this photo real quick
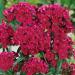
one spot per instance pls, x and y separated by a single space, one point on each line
6 60
35 65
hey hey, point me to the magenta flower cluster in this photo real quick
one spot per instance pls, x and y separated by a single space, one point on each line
40 29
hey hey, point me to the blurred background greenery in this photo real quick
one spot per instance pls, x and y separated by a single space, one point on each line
70 4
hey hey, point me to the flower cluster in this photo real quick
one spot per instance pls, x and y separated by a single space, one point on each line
55 19
22 12
6 35
31 40
35 65
41 29
6 60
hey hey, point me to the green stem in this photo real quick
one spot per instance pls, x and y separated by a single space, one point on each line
18 50
7 50
45 59
3 49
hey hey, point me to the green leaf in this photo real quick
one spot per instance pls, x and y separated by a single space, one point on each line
52 70
72 4
10 72
1 72
33 1
14 23
65 2
68 60
20 59
41 54
1 11
59 67
49 73
22 73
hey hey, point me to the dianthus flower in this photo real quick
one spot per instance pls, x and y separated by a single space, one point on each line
6 60
6 34
26 38
22 12
31 39
9 14
49 55
63 50
35 65
54 15
65 65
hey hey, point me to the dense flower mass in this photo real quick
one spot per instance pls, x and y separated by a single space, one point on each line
31 39
6 34
25 37
40 30
22 12
55 19
54 16
6 60
35 65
